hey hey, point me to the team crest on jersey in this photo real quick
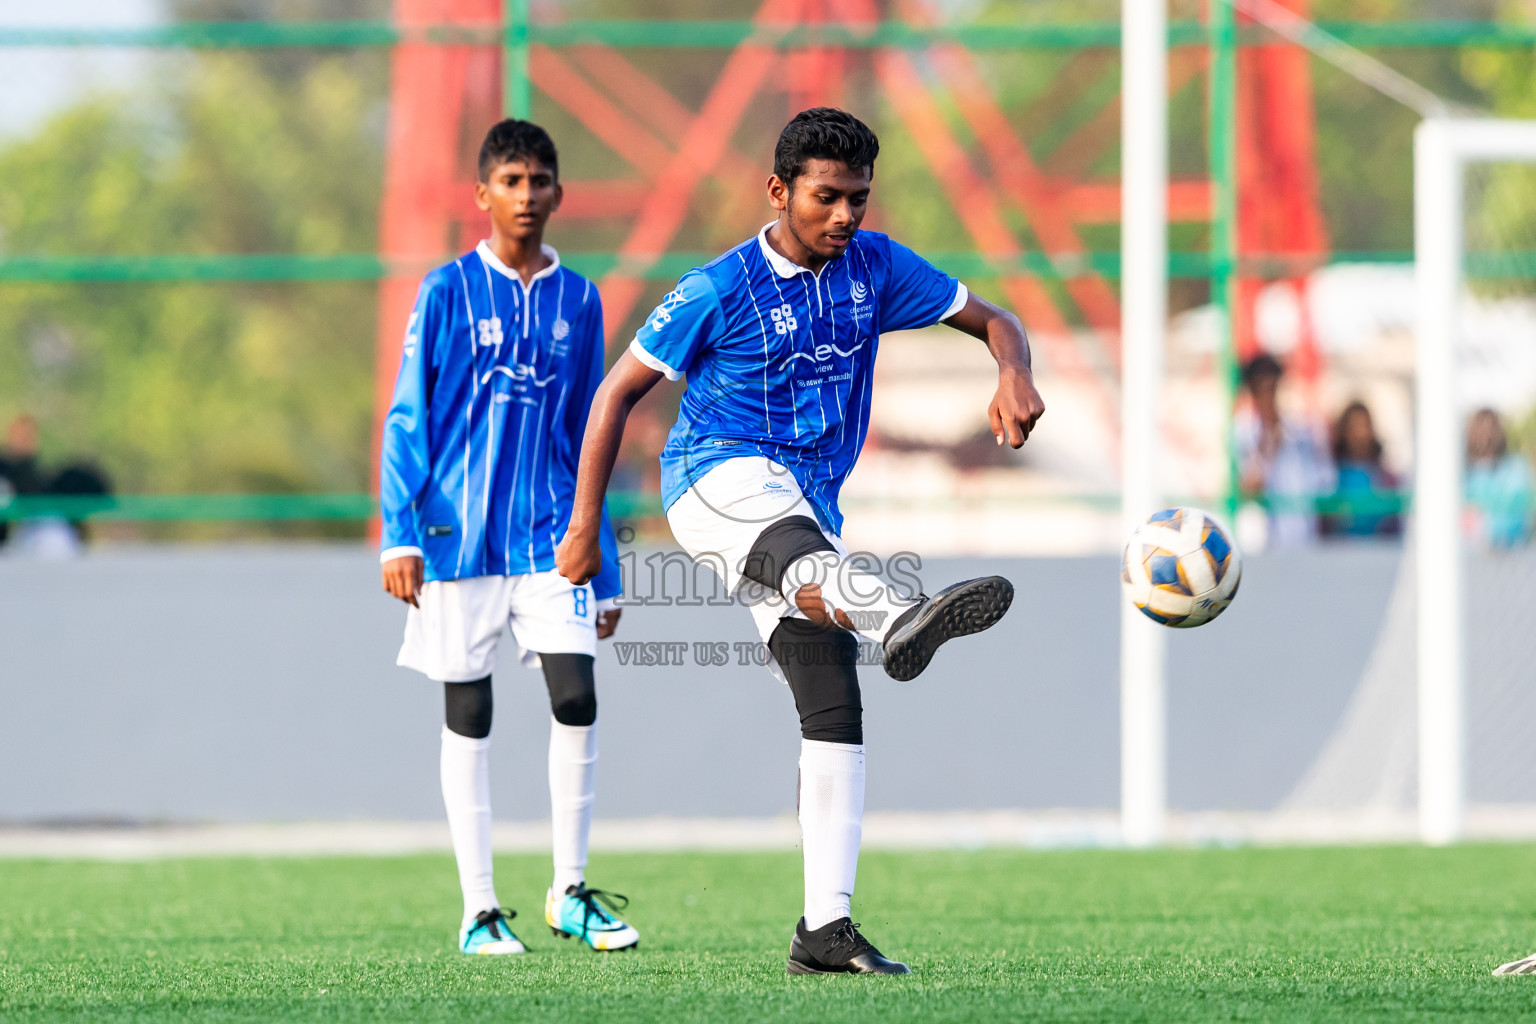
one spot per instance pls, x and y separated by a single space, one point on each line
858 291
560 330
490 332
783 319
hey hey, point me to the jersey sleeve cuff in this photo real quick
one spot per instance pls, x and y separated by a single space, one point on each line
962 296
638 351
405 551
607 604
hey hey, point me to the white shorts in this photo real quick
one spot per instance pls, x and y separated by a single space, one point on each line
452 637
719 518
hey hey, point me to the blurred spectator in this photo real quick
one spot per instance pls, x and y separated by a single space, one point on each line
1499 489
80 480
18 464
1364 490
46 537
1283 461
18 460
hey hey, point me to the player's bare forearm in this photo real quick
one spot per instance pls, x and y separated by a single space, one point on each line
1017 405
579 556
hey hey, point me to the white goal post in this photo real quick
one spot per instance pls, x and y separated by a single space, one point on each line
1442 149
1144 317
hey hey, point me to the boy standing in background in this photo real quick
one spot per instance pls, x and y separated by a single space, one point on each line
502 354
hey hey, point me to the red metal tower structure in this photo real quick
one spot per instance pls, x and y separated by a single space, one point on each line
1279 193
443 95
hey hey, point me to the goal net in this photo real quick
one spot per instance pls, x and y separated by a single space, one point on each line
1442 722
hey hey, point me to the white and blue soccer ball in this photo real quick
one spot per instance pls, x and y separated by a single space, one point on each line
1181 568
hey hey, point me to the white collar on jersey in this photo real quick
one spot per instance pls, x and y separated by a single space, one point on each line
494 262
782 265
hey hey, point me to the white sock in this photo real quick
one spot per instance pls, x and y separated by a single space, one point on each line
466 778
572 789
870 603
831 815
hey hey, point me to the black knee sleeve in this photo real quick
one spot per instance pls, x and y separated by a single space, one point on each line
572 690
820 666
469 708
779 546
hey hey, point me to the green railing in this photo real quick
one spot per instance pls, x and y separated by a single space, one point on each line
621 504
672 265
191 507
715 34
241 507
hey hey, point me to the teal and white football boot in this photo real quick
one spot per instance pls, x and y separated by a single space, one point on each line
585 914
488 934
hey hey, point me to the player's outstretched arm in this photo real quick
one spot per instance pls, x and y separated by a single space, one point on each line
1017 405
579 556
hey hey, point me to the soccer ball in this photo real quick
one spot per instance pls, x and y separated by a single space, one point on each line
1180 568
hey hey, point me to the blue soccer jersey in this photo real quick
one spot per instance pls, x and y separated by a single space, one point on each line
481 440
780 360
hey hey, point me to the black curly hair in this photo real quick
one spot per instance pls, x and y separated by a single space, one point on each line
823 133
512 140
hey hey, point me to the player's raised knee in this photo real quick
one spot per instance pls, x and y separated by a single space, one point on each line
779 547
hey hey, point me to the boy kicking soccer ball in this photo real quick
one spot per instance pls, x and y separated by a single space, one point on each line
778 340
502 354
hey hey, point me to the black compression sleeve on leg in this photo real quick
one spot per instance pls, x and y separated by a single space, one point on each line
820 666
572 689
779 546
469 708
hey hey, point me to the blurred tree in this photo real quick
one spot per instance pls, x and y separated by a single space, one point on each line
1502 199
202 387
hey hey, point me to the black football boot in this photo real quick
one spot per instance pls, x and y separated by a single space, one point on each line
837 948
960 609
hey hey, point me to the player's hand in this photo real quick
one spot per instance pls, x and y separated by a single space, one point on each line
607 622
578 558
1015 407
402 578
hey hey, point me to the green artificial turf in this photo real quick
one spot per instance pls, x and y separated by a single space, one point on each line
1264 935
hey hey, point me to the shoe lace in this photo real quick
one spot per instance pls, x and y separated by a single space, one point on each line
846 936
488 919
590 898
